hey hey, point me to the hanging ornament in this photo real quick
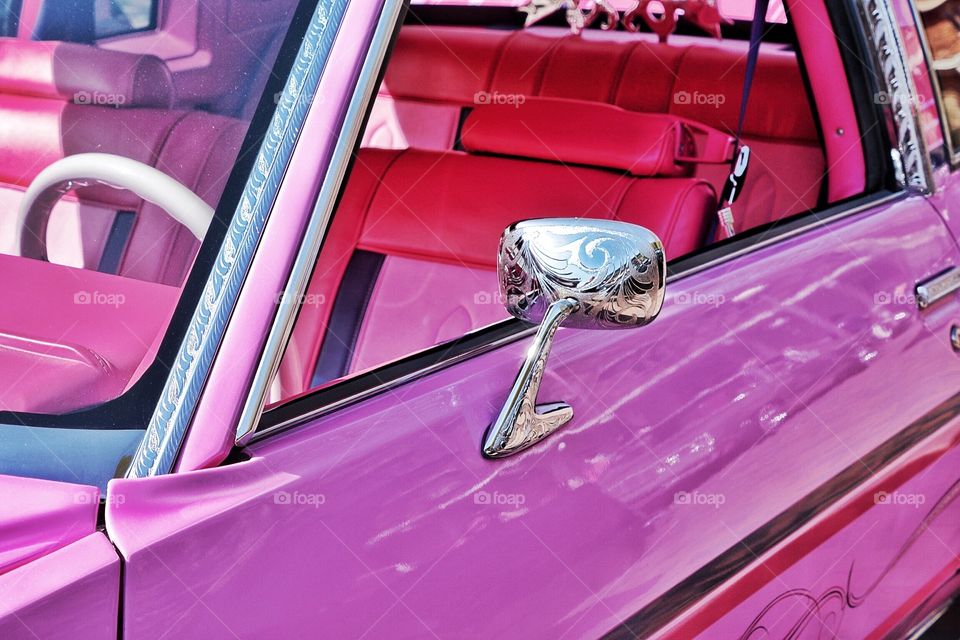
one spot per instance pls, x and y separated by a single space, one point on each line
580 13
661 16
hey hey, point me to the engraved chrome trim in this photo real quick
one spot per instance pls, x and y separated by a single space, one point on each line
168 425
932 290
319 221
590 274
522 422
898 94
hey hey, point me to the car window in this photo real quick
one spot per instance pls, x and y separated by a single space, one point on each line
117 17
449 159
9 17
114 209
941 25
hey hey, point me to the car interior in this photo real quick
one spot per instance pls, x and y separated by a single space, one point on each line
480 121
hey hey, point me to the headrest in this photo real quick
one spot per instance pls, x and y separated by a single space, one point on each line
591 133
83 74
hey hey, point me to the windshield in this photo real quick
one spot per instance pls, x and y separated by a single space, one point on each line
127 131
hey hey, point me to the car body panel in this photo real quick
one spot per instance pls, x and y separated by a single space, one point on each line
70 594
38 517
374 515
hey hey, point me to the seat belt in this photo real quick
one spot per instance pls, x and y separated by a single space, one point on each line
734 184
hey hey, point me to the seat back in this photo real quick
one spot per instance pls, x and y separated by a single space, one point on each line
437 72
416 233
61 99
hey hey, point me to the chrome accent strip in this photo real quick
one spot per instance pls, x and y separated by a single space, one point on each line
932 290
168 425
319 221
898 94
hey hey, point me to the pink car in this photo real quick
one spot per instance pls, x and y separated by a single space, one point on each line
315 319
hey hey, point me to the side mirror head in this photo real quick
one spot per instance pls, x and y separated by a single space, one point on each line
614 271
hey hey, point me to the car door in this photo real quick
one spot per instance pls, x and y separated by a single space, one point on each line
788 419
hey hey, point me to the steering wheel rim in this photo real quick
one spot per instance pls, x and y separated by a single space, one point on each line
118 172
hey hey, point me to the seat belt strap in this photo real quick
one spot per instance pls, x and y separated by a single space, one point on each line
738 174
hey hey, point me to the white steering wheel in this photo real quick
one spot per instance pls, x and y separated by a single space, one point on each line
118 172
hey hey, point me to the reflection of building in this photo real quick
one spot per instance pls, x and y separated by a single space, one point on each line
941 21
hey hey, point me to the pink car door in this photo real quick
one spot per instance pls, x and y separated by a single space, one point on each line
777 451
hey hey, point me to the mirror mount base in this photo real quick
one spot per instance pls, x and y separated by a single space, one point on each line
522 422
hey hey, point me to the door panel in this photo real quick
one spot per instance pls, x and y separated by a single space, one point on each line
764 379
70 594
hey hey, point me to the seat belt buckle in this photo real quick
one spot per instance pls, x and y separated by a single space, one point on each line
734 183
725 219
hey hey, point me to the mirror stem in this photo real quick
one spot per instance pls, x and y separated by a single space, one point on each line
522 422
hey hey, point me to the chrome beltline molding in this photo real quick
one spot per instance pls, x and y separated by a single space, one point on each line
320 218
899 94
168 425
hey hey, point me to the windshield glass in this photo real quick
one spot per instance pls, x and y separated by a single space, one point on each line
127 131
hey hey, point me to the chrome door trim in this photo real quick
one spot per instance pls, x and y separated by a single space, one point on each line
898 94
181 393
319 221
932 290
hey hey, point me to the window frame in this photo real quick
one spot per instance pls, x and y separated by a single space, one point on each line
848 22
953 154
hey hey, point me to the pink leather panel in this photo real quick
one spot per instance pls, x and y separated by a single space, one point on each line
412 290
443 65
339 245
691 77
443 206
399 124
83 74
603 135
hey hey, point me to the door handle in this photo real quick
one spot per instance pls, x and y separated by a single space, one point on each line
938 287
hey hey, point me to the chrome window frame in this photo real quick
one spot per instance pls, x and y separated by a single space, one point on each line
915 179
953 155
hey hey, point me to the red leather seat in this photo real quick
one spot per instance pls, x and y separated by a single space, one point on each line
432 221
117 103
435 72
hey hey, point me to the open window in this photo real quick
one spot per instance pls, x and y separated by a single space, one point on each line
480 122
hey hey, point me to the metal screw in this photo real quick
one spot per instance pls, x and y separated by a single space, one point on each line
955 337
839 131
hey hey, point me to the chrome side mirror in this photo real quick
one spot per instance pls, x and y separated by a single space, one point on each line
588 274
